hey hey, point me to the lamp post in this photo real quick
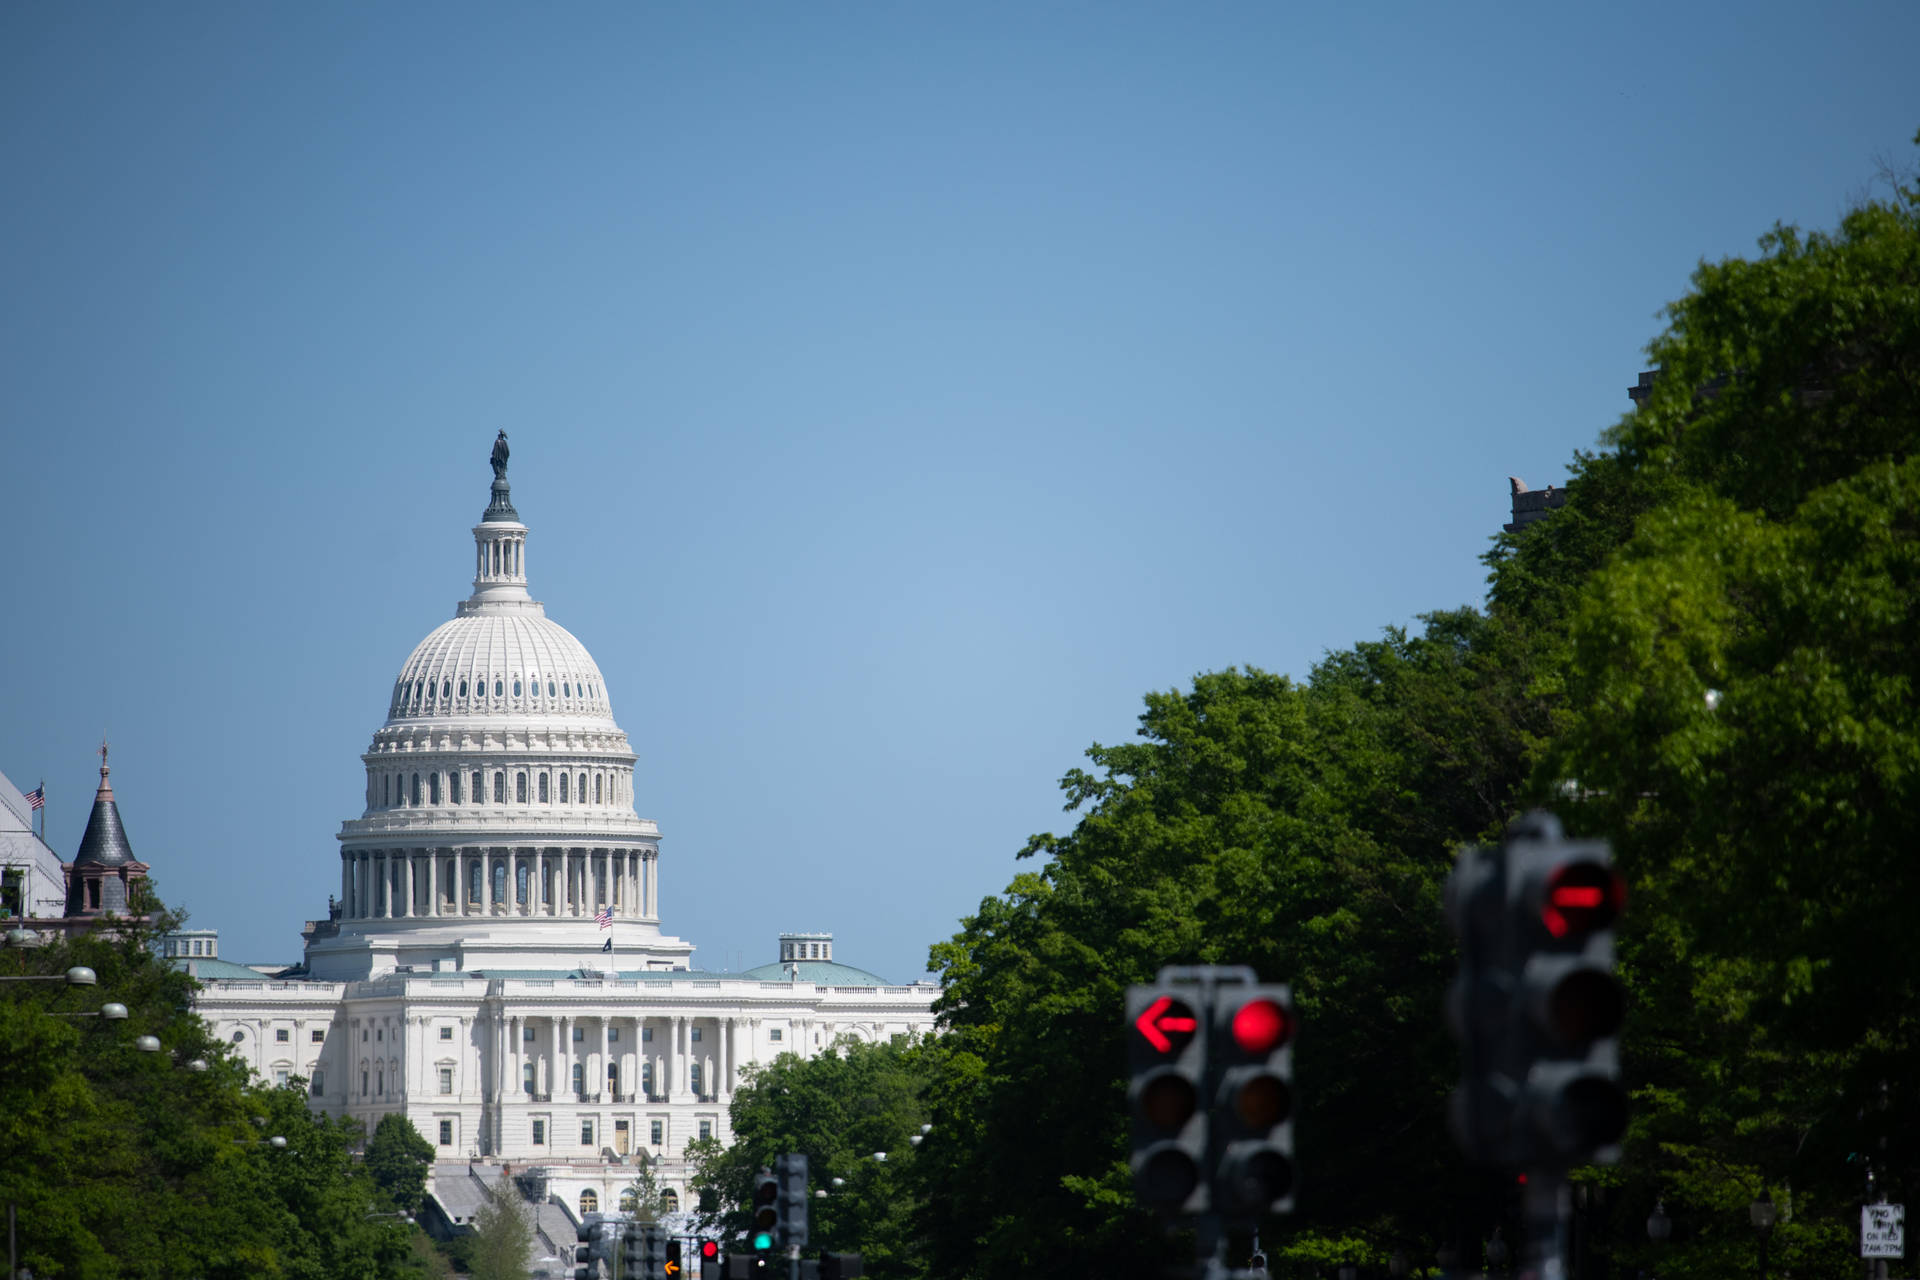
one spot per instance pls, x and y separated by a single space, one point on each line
1761 1212
1659 1225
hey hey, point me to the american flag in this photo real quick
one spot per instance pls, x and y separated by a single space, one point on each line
37 798
605 916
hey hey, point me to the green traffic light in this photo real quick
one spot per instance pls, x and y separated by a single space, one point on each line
762 1241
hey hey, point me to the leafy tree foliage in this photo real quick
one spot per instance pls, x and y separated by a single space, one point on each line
131 1164
502 1238
837 1108
398 1159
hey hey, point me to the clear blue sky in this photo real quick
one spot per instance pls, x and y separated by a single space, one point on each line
897 392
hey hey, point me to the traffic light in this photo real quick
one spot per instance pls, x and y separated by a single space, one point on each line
841 1266
1167 1094
791 1171
709 1260
670 1264
766 1211
1564 898
1252 1064
749 1266
633 1249
1479 1006
583 1249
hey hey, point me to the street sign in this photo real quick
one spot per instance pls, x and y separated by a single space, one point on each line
1883 1231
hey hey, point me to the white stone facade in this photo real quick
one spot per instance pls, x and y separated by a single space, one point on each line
462 977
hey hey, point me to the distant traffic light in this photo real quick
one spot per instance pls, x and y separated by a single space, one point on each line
791 1173
842 1266
709 1252
1480 1006
766 1211
1564 898
1167 1094
1252 1069
1536 1006
670 1265
583 1248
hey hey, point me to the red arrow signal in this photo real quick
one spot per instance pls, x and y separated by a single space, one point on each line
1165 1020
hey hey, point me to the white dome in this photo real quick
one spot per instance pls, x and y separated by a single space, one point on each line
486 663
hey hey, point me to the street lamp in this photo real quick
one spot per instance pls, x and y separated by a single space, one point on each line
78 976
1659 1225
1761 1212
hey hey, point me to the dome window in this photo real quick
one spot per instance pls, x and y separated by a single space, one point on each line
446 688
549 688
496 688
499 788
479 786
582 793
463 688
516 688
596 788
566 690
543 788
433 788
416 788
563 788
520 787
453 788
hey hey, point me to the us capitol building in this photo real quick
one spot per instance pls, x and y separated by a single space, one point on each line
463 976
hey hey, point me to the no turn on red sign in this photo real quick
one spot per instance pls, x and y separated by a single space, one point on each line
1883 1231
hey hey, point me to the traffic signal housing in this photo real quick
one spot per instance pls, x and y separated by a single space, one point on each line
1480 1006
671 1264
1564 899
1251 1058
1167 1095
583 1248
709 1251
765 1227
791 1173
842 1266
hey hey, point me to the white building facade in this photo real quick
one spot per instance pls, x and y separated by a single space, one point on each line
464 978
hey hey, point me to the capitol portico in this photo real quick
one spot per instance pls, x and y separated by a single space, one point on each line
494 966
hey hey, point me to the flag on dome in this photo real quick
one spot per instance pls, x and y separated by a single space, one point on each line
605 916
37 798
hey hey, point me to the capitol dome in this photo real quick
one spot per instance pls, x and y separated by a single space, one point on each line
499 828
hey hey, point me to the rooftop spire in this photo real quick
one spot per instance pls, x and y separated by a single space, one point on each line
501 508
500 551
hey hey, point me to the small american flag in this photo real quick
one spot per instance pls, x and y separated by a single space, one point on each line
37 798
605 916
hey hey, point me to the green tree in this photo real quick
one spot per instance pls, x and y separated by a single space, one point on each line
398 1159
502 1239
837 1108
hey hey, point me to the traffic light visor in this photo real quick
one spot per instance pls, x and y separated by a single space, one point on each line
1261 1026
1582 897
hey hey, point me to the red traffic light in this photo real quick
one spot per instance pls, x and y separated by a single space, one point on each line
709 1248
1167 1024
1582 897
1260 1026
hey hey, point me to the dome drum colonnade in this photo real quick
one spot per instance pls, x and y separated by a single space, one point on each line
503 880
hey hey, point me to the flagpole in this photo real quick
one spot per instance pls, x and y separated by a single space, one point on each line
43 812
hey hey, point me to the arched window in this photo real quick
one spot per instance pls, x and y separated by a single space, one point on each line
543 788
596 788
499 882
566 689
579 1077
446 688
549 688
520 883
563 788
589 1203
479 786
416 788
516 686
520 787
386 791
629 1202
319 1082
453 788
433 788
669 1201
583 789
473 882
379 1083
499 788
496 686
646 1076
463 688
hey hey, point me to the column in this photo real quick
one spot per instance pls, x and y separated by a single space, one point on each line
653 883
406 883
433 882
486 881
723 1087
600 1080
346 884
539 907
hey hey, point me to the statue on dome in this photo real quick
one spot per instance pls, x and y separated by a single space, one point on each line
499 459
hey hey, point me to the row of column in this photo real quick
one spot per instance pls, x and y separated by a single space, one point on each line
553 1068
398 884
